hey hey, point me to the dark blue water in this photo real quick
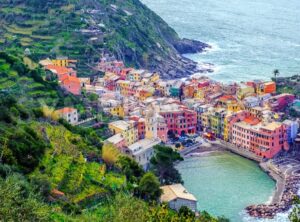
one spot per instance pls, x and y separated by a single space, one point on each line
250 38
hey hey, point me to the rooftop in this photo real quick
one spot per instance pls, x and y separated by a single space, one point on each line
115 139
66 110
121 124
143 145
172 192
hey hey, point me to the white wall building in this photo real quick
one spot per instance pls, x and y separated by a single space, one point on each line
177 196
69 114
142 151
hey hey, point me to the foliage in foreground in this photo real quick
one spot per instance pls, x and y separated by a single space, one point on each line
295 214
19 202
163 165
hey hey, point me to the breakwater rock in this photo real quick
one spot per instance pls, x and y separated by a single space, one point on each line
270 210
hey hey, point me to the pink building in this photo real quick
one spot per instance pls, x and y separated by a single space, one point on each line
263 139
179 119
280 102
162 129
110 66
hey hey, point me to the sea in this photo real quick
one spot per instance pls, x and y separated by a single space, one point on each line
224 184
249 38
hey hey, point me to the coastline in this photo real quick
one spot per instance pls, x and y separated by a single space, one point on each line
287 183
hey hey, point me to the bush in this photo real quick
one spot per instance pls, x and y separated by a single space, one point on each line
149 187
110 154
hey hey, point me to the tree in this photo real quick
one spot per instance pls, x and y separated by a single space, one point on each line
130 168
19 202
295 214
177 145
110 154
276 73
162 164
149 187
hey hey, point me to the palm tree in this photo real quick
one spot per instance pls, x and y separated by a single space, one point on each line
276 73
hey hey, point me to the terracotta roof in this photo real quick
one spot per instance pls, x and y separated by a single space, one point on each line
66 110
251 120
70 79
59 70
227 97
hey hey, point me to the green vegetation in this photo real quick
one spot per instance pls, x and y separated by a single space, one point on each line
163 164
149 187
295 214
84 29
52 171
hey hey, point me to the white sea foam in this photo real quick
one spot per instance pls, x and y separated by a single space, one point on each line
280 217
214 48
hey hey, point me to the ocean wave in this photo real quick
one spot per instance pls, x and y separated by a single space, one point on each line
214 48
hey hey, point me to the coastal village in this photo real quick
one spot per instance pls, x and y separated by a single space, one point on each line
250 117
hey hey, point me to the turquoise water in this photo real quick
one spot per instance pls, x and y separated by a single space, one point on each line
250 38
225 184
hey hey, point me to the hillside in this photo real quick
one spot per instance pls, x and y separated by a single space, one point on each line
86 29
52 171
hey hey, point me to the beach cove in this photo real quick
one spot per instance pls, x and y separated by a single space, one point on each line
225 183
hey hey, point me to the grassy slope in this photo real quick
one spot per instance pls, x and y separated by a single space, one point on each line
127 29
63 162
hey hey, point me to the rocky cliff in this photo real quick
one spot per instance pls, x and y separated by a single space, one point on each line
86 29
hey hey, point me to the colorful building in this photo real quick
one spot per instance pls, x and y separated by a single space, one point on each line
280 102
69 114
266 87
72 85
118 141
263 139
179 119
292 128
176 88
63 61
117 111
127 129
135 75
228 102
244 91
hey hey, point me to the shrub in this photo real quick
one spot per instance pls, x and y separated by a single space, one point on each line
110 154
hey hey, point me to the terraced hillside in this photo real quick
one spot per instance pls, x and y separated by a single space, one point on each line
85 29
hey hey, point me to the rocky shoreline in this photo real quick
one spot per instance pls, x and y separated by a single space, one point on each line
270 210
178 66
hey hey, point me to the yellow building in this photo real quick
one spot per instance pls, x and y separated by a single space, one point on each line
226 129
205 123
117 111
127 129
62 61
245 91
136 75
199 94
155 77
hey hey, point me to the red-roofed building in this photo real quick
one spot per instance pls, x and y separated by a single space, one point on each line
71 84
69 114
61 71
